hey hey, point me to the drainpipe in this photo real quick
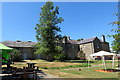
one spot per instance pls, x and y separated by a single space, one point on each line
92 48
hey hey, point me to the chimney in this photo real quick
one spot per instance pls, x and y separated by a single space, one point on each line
68 38
29 41
103 38
65 39
18 41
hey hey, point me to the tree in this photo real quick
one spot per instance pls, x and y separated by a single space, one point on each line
15 55
79 39
116 36
47 30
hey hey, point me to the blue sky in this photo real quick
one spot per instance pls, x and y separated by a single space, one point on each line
81 19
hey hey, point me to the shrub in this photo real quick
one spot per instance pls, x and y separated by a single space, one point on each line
60 57
44 67
15 55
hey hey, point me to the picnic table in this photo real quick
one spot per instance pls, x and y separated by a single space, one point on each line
18 73
31 65
25 73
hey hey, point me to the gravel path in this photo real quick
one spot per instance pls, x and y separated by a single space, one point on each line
45 75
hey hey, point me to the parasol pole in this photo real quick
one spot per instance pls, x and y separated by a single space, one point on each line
113 62
104 62
88 61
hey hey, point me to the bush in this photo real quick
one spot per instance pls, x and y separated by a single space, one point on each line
15 55
60 57
44 67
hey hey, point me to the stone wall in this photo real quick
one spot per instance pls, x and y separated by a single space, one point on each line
105 46
26 53
93 47
87 50
97 46
72 51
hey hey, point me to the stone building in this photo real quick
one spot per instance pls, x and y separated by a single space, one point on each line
71 48
93 45
26 48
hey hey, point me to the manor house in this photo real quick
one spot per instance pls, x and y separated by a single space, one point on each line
73 49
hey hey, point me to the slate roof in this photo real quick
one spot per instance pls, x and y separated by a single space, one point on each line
30 44
71 41
19 43
82 41
87 40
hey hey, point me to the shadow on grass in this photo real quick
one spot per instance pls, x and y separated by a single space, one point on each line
20 74
19 61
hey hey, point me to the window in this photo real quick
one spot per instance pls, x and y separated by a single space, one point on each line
98 46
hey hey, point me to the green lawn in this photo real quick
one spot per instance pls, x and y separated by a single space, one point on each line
84 73
70 68
91 73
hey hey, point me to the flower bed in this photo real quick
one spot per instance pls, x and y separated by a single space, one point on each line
108 70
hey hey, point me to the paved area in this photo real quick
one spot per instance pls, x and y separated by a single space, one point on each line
45 75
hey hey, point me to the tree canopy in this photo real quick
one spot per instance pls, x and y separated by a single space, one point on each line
116 36
47 30
79 39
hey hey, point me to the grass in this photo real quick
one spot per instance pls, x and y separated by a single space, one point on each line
84 73
71 71
91 73
65 67
70 68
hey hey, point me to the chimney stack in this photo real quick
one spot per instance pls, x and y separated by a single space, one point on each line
103 38
29 41
68 37
18 41
65 37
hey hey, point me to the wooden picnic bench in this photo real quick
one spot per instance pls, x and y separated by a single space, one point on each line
31 65
25 74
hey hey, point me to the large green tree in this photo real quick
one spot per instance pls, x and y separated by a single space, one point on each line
47 30
116 36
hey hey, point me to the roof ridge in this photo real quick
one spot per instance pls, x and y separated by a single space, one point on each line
87 40
90 38
16 41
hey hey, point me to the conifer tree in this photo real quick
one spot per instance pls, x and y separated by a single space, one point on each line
47 30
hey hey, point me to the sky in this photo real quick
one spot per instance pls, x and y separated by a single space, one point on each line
81 19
